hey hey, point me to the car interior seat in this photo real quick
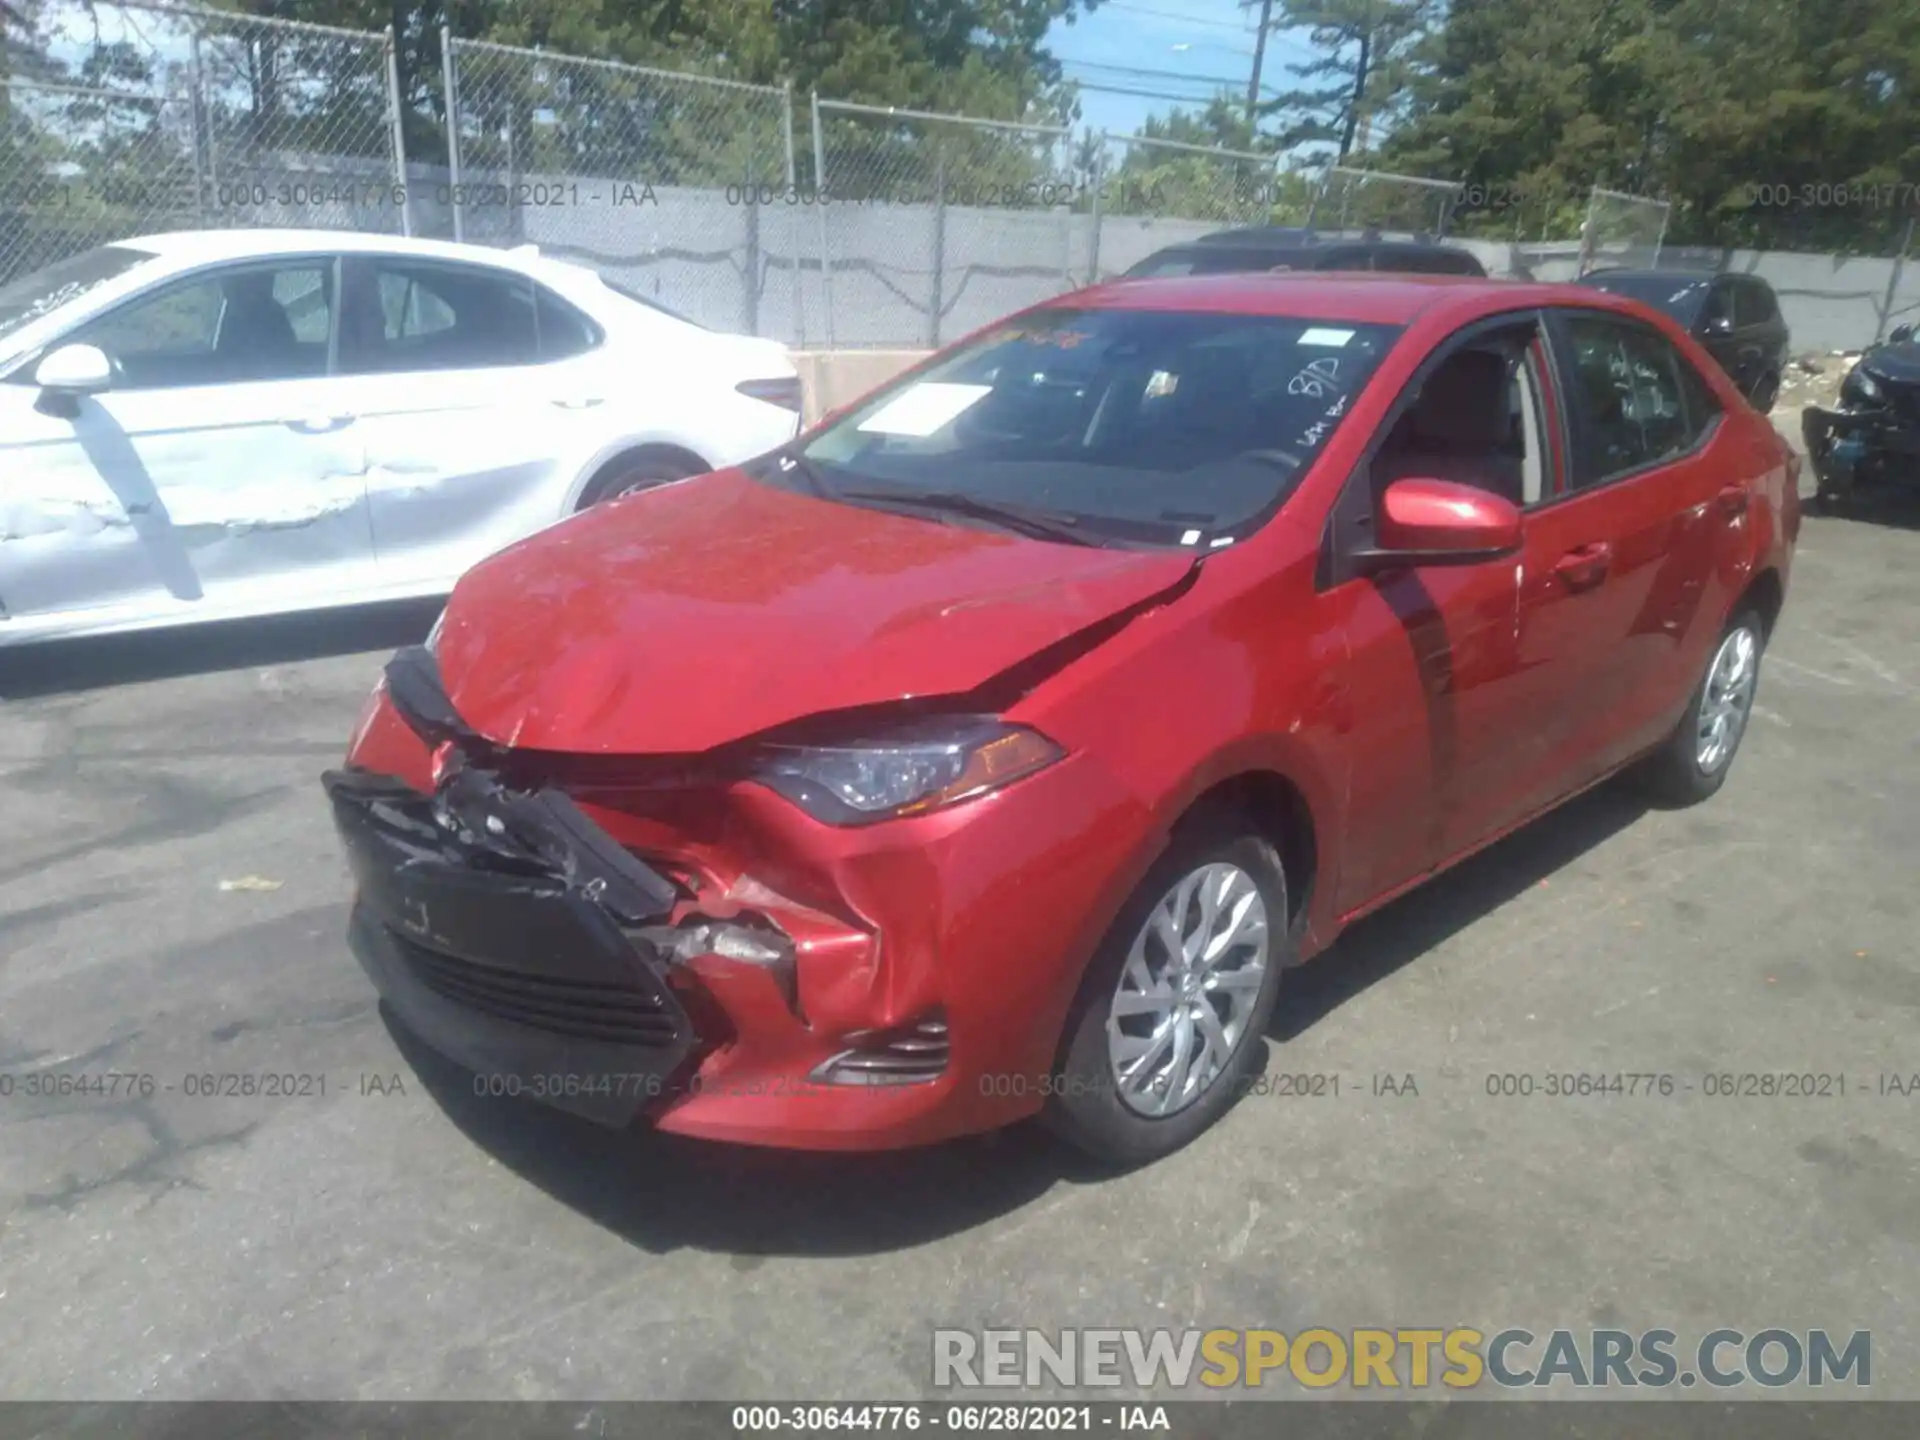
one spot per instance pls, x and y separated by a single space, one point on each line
1459 429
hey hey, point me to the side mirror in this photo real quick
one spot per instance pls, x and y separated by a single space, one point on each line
1440 522
75 370
1901 335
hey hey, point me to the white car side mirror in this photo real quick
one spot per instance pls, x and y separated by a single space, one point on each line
75 370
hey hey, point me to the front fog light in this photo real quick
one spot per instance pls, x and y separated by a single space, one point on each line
907 769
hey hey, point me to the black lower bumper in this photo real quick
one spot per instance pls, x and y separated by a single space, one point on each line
1849 449
495 924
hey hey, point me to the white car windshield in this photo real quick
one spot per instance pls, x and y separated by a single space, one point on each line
1147 426
40 292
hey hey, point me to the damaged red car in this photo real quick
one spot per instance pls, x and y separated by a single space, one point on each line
991 750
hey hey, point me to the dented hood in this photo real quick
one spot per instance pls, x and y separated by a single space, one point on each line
702 612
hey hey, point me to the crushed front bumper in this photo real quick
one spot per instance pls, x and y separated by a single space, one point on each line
1849 448
499 926
901 993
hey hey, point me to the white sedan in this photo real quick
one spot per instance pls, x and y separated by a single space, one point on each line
212 425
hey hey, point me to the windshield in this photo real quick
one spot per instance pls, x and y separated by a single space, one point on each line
1152 426
43 291
1679 296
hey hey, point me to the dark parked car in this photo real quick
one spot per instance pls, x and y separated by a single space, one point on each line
1275 247
1872 437
1735 318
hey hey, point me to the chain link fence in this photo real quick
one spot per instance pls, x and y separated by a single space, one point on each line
150 117
1148 193
1348 200
1622 230
929 226
675 186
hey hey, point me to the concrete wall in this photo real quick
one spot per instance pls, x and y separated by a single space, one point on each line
831 379
910 276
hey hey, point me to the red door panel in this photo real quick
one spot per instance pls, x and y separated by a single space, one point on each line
1431 680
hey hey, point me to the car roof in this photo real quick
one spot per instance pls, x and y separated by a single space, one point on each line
1376 298
1663 277
195 247
1259 236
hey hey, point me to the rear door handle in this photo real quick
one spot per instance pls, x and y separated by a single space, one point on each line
1734 499
577 402
1586 567
318 424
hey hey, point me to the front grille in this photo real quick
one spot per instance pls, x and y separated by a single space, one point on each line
583 1009
907 1056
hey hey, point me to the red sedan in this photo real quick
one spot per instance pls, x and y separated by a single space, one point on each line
992 749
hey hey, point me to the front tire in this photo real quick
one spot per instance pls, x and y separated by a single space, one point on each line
640 470
1693 763
1169 1023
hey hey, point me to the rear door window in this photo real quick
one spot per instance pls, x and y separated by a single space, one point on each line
1629 393
408 315
1753 303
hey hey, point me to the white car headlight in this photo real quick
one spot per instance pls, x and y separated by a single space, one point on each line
908 769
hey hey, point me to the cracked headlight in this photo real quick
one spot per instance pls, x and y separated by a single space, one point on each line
1862 386
902 770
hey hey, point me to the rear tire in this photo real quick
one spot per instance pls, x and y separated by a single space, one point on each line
639 470
1693 763
1163 1039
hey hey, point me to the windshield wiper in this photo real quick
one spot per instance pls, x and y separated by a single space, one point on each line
793 461
1025 520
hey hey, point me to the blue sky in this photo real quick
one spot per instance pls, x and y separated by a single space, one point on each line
1168 48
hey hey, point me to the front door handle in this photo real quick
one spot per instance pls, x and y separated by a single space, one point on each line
318 424
1734 499
1585 567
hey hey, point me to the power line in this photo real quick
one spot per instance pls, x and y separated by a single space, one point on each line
1239 25
1157 74
1150 94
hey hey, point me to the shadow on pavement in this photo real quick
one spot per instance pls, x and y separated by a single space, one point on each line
1888 509
663 1192
1403 931
94 662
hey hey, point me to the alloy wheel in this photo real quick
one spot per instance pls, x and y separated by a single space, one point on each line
1728 699
1191 980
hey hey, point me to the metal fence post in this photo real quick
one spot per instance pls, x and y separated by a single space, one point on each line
399 130
1893 282
793 239
199 96
939 248
196 98
1587 236
1093 210
820 202
450 93
750 291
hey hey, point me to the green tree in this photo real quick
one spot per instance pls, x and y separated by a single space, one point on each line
1764 122
1349 88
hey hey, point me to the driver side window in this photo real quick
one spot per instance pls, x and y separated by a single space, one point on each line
1475 418
241 324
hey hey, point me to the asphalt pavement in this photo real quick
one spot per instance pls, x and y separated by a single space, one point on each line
172 903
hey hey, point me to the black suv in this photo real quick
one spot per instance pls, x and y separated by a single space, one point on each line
1734 317
1279 247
